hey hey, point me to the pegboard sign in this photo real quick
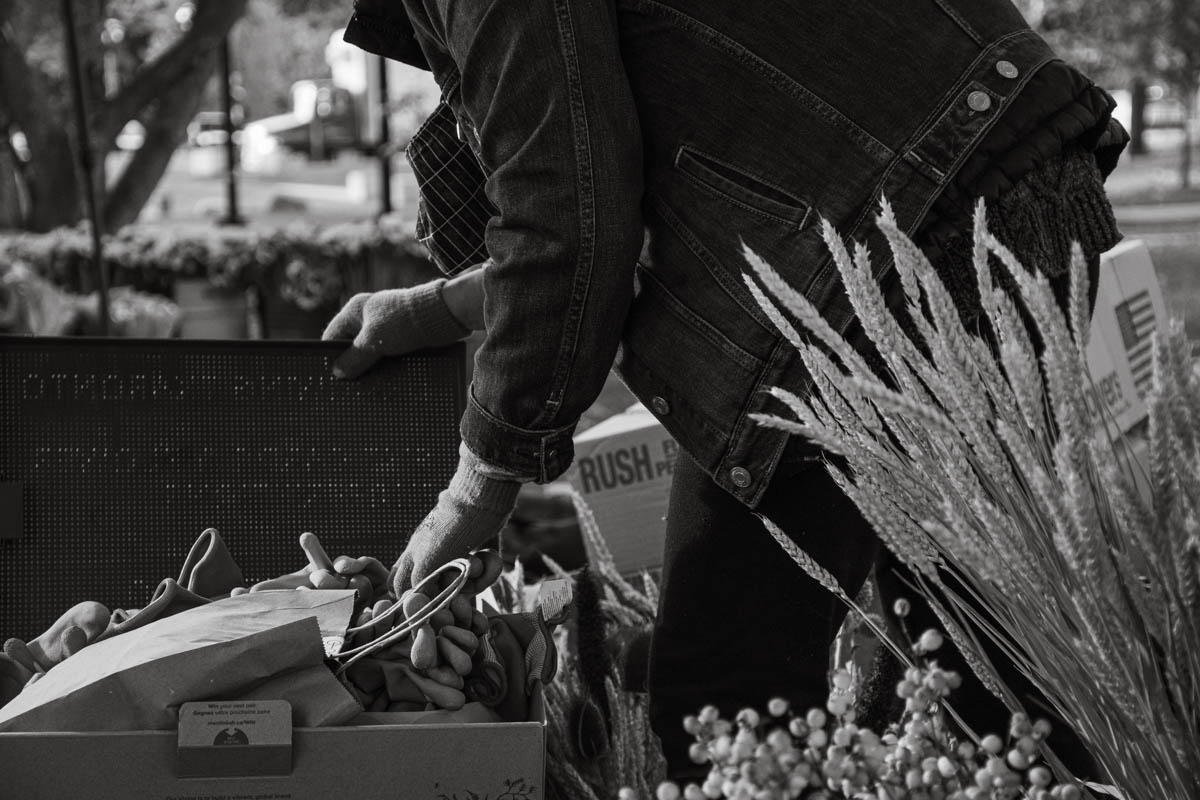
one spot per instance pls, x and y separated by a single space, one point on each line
121 452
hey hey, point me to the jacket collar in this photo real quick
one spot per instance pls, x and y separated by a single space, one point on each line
383 28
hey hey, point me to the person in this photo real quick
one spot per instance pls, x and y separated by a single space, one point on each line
628 151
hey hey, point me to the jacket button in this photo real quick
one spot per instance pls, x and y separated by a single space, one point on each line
740 477
660 406
1007 69
979 101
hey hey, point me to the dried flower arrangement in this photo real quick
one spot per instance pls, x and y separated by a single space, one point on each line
982 462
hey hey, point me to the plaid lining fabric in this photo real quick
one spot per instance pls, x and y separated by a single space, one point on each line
452 210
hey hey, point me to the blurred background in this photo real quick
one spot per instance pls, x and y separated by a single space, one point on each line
245 166
231 169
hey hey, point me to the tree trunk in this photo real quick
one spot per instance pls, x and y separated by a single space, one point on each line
28 104
89 21
53 181
1137 120
166 129
13 207
1185 155
163 94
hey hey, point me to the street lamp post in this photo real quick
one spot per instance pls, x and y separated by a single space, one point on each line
232 217
84 163
385 144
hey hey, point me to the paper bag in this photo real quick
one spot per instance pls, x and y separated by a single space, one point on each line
138 680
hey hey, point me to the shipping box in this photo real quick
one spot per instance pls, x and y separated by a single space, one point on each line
623 465
368 762
623 469
1129 309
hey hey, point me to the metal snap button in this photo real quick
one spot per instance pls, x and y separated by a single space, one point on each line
1007 69
740 477
660 406
979 101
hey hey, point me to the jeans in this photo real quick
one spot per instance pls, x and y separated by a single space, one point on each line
738 622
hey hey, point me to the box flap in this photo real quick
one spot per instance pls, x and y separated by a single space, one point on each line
11 525
635 418
240 739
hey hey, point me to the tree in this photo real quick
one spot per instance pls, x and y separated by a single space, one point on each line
1130 42
274 47
167 51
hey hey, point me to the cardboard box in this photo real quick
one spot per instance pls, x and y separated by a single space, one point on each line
369 762
623 469
623 465
249 750
1129 309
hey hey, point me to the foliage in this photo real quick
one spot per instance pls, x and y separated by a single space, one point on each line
31 305
822 753
271 50
140 60
1120 39
631 756
312 267
985 471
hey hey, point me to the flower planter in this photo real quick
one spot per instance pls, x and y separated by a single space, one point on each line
209 312
283 320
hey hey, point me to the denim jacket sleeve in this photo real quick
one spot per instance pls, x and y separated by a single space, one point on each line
543 100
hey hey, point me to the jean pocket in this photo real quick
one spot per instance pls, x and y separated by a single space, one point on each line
736 185
453 209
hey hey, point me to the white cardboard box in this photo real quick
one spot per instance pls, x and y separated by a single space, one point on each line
623 469
623 465
367 762
1129 309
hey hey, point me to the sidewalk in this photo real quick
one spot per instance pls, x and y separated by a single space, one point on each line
1158 213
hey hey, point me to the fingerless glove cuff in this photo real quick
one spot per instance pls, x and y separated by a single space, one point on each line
480 486
431 316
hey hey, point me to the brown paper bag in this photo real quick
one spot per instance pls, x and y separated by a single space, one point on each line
138 680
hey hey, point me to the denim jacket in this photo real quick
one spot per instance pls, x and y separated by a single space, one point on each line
631 147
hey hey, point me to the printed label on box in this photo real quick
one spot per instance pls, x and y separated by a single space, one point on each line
236 738
1129 309
623 469
625 466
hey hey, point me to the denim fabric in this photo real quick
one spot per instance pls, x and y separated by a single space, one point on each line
738 622
713 125
542 99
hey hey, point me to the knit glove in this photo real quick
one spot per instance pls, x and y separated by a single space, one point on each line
390 323
74 630
470 511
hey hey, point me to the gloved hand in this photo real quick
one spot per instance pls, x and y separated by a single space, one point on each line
390 323
470 511
75 629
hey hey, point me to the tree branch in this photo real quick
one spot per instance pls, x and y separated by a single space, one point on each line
161 75
165 129
20 86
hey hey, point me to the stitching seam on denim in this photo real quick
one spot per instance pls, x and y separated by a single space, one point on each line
727 197
969 75
960 21
586 186
744 359
735 436
802 208
642 373
524 432
777 77
726 281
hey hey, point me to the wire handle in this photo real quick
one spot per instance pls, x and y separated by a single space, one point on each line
411 624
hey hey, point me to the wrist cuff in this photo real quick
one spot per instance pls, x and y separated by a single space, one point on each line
432 316
475 484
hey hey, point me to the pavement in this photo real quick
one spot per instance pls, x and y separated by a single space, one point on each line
1158 213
